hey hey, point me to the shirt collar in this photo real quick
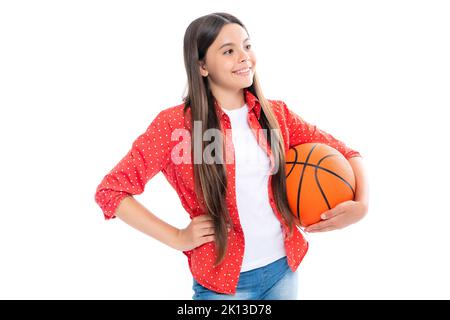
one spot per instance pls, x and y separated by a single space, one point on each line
251 101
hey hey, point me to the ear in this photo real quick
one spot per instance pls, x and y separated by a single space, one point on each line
202 68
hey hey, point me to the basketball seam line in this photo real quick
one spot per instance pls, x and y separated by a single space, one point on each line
301 180
326 170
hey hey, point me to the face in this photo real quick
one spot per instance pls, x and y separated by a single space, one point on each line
231 51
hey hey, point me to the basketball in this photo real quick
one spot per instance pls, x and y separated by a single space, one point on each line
318 177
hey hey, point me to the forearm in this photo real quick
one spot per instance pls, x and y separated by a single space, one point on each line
137 216
362 184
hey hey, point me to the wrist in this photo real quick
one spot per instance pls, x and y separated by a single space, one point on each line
176 242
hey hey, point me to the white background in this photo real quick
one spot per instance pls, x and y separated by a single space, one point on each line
79 81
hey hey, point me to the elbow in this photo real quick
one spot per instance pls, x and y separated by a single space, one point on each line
108 201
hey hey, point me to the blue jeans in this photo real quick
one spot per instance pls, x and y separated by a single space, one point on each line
275 281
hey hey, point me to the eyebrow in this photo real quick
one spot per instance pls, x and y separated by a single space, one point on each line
231 43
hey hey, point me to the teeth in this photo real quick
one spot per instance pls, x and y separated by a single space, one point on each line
242 71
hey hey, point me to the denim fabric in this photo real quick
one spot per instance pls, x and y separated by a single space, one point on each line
275 281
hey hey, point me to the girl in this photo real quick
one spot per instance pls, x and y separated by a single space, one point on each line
242 241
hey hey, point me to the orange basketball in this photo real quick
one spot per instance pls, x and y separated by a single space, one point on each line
318 177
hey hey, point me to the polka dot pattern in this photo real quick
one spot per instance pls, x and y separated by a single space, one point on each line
299 131
151 153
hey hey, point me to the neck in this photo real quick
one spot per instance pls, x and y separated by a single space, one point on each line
228 99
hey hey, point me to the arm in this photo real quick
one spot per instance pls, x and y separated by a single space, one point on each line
199 231
345 213
137 216
362 183
301 131
149 154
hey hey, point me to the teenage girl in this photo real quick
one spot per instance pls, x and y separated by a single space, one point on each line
223 151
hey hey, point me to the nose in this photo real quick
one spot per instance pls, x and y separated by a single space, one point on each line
244 57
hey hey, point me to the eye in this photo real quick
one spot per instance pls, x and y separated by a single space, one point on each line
247 46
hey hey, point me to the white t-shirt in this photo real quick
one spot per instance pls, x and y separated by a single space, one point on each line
262 231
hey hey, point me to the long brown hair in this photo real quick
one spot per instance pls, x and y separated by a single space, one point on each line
210 180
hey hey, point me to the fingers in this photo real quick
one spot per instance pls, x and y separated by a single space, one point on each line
319 226
204 229
202 222
322 229
207 231
207 239
331 213
205 225
202 218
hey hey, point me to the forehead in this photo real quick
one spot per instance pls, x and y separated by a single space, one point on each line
231 32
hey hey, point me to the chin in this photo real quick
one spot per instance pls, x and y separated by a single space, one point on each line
247 83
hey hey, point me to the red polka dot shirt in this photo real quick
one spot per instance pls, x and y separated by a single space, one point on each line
151 153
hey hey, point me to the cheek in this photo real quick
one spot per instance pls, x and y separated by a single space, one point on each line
222 67
227 65
225 68
253 59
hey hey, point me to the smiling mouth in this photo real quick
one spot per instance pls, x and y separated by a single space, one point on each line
242 71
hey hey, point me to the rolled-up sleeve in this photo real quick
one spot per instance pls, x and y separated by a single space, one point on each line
149 154
301 131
